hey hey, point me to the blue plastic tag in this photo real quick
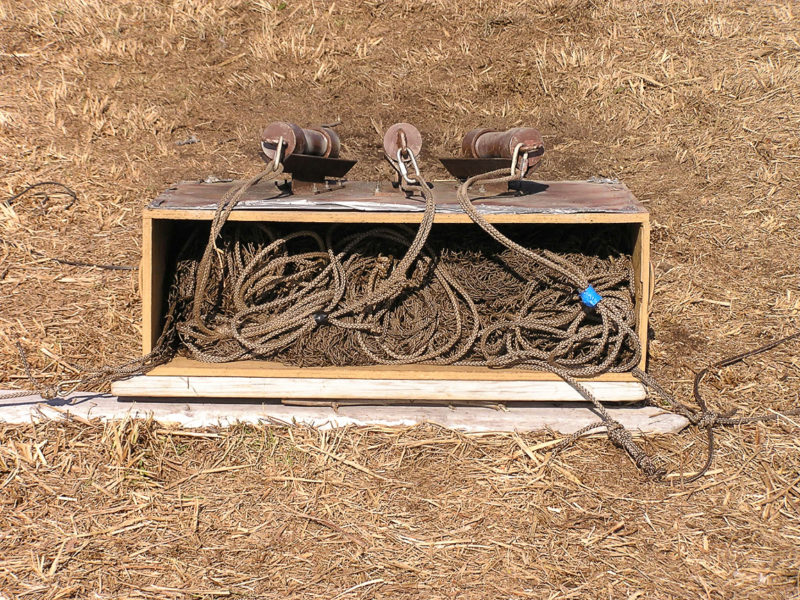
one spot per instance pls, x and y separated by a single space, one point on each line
590 297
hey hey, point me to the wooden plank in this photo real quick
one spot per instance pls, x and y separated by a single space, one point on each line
182 366
641 269
384 389
149 288
514 418
145 283
155 240
352 216
645 273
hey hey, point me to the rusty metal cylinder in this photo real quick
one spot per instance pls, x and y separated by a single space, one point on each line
312 141
490 143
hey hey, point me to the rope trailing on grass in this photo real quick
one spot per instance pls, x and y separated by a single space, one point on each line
64 190
616 328
620 320
706 418
166 345
73 199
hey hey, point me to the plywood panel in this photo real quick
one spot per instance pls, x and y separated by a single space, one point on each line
534 197
641 268
352 216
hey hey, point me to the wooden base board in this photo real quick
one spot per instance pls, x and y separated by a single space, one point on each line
187 367
172 386
520 417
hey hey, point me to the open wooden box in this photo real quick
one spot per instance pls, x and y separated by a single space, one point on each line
553 204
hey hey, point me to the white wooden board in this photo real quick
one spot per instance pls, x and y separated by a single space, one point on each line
173 386
522 417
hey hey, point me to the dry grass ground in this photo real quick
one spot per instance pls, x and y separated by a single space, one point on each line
695 105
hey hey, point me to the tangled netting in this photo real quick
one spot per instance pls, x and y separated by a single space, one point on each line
296 295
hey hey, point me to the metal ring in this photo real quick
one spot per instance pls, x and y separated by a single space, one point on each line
523 164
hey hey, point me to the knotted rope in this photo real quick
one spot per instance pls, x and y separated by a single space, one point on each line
705 418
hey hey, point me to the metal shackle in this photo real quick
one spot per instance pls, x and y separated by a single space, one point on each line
312 141
491 143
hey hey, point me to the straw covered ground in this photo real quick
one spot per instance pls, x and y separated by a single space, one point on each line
694 105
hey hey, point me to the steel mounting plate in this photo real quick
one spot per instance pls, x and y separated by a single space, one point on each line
305 167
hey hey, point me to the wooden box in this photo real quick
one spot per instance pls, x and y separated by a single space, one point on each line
555 204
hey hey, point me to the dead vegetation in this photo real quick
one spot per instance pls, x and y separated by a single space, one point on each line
693 104
135 510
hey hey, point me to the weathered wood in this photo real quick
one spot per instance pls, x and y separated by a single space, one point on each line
357 216
188 367
640 258
517 417
390 389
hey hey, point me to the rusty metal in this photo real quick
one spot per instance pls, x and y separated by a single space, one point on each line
402 136
309 154
304 167
487 143
312 141
464 168
487 150
402 142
